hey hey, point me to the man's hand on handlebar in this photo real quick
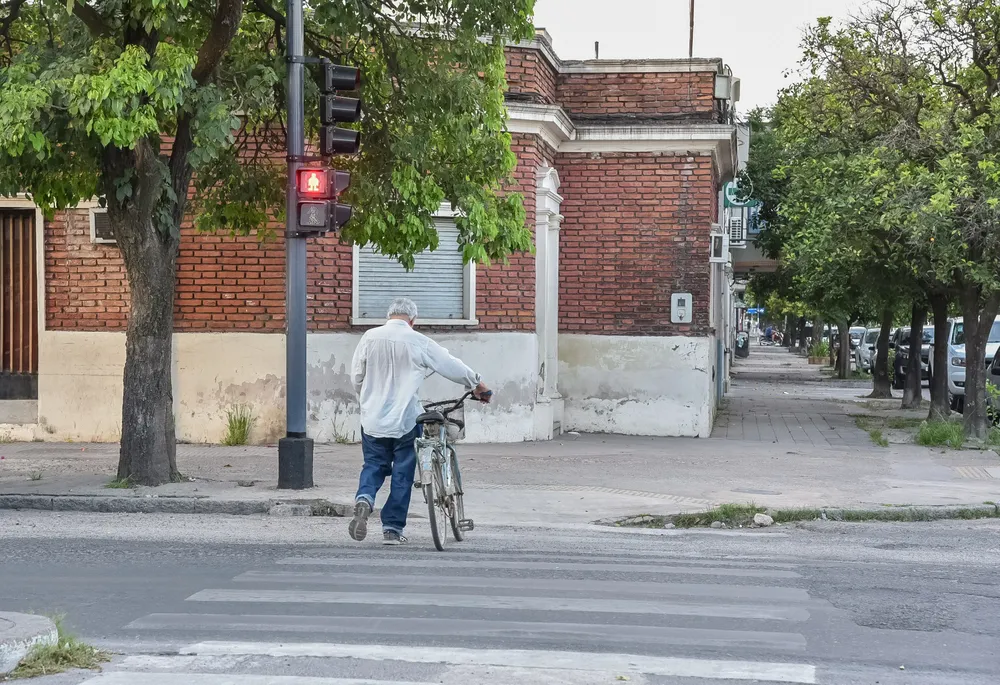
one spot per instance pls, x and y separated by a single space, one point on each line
482 393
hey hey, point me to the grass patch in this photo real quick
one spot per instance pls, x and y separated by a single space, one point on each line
35 475
731 514
736 515
120 484
993 437
868 423
239 424
878 438
941 434
903 422
68 653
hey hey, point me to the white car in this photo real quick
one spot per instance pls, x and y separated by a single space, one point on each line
864 354
956 358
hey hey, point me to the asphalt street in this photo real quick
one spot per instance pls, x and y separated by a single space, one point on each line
191 600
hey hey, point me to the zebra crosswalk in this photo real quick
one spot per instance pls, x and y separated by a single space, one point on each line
396 618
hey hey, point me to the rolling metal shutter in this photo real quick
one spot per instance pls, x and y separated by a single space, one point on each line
436 284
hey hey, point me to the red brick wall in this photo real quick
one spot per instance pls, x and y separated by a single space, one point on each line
505 294
85 285
530 76
670 95
636 230
227 283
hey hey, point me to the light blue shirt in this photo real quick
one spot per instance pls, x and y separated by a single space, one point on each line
389 366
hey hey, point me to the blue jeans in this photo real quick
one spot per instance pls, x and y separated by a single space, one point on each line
384 457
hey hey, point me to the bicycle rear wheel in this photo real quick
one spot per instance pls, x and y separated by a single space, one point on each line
437 512
457 513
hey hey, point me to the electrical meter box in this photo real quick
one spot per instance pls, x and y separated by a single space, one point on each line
680 308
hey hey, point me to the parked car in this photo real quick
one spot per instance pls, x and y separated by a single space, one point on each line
864 355
900 341
857 334
957 360
993 378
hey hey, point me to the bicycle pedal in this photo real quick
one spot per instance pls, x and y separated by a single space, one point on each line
466 524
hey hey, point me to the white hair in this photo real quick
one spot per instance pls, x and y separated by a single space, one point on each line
403 306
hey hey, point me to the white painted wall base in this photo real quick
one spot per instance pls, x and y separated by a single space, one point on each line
637 385
80 385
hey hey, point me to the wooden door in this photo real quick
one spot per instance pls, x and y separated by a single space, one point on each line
19 309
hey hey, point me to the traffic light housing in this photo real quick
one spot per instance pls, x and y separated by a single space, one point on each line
318 190
335 109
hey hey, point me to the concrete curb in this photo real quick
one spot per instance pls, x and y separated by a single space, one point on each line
105 504
850 514
19 633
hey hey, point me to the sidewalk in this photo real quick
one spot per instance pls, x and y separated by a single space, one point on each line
787 437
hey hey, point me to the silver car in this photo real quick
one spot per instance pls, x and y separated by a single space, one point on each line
864 354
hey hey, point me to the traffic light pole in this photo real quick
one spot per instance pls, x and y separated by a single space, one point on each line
295 450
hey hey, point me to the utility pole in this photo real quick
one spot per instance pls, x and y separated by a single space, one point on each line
313 209
295 450
691 35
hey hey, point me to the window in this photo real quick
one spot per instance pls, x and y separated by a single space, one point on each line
872 337
441 284
100 227
958 334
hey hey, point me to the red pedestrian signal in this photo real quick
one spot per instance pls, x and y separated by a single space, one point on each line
314 182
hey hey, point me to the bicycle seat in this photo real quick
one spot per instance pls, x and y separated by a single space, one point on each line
430 417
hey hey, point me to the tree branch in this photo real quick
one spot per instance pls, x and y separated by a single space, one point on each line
224 27
91 18
225 24
8 21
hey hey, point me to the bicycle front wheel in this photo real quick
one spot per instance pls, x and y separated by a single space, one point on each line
437 511
457 513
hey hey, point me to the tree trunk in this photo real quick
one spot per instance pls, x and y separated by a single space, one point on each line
913 390
844 353
833 352
786 339
882 386
978 324
940 401
148 442
802 333
817 336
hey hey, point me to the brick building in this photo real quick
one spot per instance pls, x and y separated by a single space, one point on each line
620 164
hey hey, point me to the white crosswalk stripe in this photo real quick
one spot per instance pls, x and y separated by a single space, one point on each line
484 619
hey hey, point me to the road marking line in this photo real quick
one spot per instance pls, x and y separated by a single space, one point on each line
147 678
461 628
758 593
568 661
577 604
544 566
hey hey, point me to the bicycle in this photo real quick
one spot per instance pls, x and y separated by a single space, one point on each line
437 461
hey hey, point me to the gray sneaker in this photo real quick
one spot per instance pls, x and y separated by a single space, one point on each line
391 537
358 527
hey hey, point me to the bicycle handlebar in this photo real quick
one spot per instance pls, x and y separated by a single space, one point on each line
455 404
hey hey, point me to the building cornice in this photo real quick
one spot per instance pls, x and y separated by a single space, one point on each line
542 42
551 124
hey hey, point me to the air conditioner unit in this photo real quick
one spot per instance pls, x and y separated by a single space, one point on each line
737 231
720 246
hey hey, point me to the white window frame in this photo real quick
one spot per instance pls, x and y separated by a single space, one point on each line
93 227
445 211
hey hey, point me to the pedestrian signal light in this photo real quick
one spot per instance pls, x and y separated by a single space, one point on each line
314 182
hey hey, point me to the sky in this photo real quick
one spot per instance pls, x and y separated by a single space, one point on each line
759 39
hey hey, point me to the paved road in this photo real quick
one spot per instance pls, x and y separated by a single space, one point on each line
191 600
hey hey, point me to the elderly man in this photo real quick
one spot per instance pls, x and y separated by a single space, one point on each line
389 366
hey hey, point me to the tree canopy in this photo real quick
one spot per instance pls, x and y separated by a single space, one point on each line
176 108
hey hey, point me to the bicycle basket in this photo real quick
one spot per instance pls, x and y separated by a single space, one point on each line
454 432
